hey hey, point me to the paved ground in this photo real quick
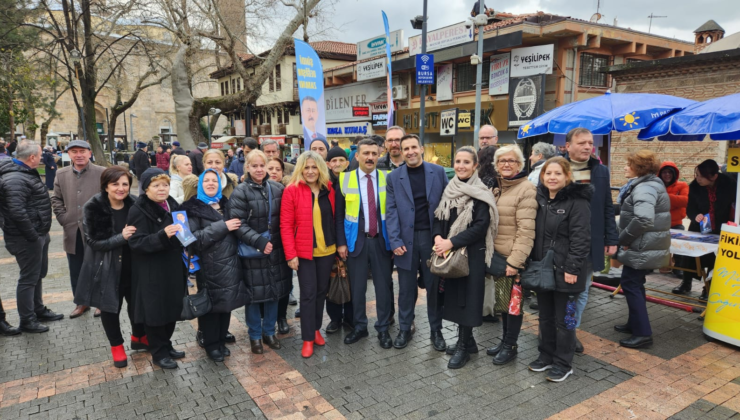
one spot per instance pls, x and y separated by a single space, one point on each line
67 373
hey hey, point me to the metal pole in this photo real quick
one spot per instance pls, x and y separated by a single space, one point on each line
131 120
209 128
125 131
422 105
478 79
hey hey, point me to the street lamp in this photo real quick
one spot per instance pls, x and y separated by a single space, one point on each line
480 21
131 117
212 111
420 22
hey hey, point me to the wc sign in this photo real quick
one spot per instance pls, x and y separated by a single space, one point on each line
448 122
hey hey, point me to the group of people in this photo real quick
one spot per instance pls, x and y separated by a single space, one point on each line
261 219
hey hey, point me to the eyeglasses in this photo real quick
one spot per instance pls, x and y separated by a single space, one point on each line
393 140
505 162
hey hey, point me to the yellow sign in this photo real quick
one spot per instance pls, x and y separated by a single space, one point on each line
722 320
733 160
463 120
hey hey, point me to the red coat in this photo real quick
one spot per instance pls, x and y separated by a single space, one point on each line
163 161
296 220
678 191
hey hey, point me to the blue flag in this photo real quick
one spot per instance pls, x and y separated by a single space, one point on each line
390 72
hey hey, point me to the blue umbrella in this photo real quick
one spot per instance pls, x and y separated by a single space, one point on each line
719 118
604 114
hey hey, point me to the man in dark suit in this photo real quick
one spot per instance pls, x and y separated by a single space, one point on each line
362 238
414 191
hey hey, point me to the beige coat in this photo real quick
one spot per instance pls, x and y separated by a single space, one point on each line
517 210
71 192
190 186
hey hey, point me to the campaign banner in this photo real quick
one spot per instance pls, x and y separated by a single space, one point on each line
310 93
372 69
531 61
375 46
444 82
526 99
389 92
442 38
498 83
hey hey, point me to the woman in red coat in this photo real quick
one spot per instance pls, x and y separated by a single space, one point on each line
309 240
677 190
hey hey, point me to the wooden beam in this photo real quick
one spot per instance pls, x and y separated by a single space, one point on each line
594 42
666 54
630 48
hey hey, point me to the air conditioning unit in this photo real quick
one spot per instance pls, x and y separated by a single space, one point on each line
400 92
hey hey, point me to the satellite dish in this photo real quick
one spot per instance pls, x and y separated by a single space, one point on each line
595 17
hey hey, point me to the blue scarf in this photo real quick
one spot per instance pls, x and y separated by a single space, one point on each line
202 194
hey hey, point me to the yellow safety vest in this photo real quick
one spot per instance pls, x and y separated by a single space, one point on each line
349 184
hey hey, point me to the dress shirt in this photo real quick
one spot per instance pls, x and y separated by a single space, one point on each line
363 195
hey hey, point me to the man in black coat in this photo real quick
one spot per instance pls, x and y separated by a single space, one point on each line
177 149
26 210
140 162
604 237
196 158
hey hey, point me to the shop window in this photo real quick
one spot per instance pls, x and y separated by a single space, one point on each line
278 82
464 75
591 74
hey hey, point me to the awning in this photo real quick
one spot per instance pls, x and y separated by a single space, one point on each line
227 139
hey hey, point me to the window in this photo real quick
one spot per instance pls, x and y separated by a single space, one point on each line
465 75
278 82
233 86
239 84
271 82
591 74
286 116
222 89
295 78
280 116
269 116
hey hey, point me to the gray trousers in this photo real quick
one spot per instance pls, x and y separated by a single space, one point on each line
33 260
381 265
407 284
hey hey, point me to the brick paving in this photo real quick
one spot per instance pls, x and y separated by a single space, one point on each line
67 373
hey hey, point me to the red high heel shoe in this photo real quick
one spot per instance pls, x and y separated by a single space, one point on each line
119 356
307 350
319 340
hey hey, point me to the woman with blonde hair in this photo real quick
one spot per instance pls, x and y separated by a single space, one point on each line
309 238
256 202
563 226
212 159
180 167
517 206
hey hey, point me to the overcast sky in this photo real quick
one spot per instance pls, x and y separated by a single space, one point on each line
361 19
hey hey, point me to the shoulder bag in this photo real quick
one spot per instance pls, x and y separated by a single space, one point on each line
339 291
250 252
454 265
197 305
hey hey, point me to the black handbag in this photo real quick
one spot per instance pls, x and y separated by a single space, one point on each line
497 267
197 305
539 276
339 291
250 252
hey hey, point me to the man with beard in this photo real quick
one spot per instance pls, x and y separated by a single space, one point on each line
393 159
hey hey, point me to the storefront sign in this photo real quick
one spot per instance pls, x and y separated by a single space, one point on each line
379 107
733 160
349 130
340 100
448 122
425 69
498 83
372 69
360 111
444 82
380 119
494 113
526 99
279 139
532 60
463 120
375 46
723 303
442 38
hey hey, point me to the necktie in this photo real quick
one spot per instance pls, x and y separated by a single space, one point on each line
373 216
314 136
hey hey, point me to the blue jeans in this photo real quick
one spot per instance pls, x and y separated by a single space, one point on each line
583 299
259 326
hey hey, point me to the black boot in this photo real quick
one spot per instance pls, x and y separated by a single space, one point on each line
684 287
461 356
471 347
506 355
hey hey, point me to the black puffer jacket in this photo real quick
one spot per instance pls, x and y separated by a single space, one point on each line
564 224
216 249
101 269
24 202
699 202
267 278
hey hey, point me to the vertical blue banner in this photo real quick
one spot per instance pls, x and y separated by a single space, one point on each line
390 72
310 92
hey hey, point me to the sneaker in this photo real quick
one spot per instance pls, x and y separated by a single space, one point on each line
557 375
539 366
